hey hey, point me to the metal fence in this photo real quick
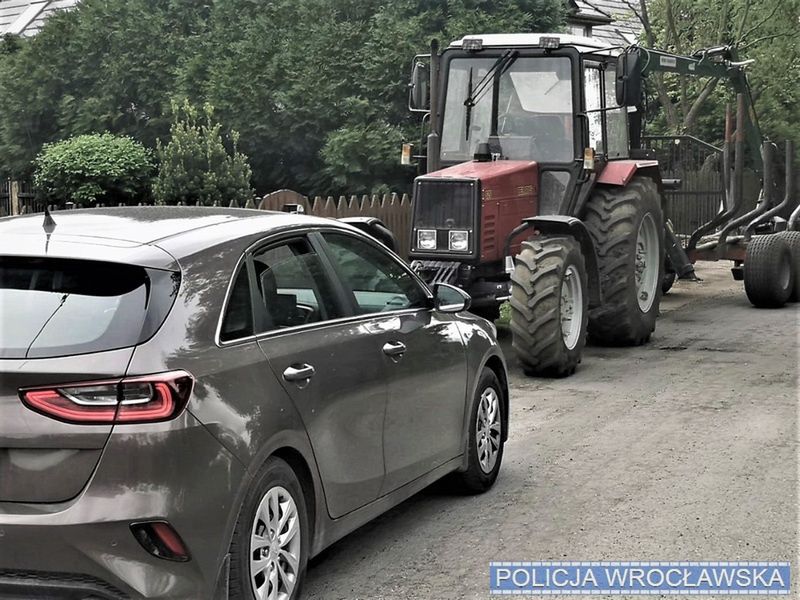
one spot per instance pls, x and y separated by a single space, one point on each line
699 167
18 198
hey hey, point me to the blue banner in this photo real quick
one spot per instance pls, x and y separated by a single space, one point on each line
639 578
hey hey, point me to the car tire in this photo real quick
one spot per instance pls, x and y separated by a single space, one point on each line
480 474
275 489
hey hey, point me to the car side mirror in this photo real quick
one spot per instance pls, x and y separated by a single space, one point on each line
628 86
418 97
450 299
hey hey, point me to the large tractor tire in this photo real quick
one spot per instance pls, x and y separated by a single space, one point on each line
793 239
627 226
549 303
768 271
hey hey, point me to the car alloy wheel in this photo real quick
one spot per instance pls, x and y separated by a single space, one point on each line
275 546
488 429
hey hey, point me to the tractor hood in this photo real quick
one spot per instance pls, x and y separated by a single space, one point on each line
493 175
486 199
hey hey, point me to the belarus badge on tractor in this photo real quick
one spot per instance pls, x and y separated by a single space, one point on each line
536 189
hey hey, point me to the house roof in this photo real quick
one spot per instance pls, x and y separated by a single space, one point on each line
26 17
613 21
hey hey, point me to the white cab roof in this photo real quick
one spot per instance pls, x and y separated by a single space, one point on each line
510 40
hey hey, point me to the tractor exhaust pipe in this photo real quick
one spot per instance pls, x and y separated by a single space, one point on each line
433 141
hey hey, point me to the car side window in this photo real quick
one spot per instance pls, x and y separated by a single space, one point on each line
238 320
293 286
377 281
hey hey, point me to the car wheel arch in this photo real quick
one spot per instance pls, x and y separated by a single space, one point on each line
297 453
495 363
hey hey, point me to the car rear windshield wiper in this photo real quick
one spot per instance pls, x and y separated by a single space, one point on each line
475 94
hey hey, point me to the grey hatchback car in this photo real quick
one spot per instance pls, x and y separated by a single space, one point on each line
194 401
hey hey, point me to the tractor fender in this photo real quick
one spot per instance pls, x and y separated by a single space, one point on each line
574 228
620 172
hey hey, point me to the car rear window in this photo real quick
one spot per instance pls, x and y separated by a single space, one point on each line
56 307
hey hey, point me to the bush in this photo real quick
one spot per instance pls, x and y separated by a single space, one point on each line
95 168
196 167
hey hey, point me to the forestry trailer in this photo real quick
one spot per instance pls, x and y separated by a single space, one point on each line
536 188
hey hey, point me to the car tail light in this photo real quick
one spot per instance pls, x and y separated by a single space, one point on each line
145 399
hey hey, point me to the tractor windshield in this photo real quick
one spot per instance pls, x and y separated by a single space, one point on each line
526 114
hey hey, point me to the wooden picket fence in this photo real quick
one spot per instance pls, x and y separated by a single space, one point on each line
393 209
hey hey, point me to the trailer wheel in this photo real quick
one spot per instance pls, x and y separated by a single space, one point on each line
627 226
768 271
549 306
793 239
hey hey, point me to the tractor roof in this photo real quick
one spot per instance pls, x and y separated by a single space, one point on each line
511 40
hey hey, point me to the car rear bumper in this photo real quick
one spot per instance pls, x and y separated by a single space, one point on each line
55 586
84 548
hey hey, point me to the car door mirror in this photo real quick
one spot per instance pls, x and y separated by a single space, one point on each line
450 299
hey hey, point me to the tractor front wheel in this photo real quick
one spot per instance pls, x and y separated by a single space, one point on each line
627 226
549 306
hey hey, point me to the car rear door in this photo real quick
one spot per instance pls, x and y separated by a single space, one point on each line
424 356
330 366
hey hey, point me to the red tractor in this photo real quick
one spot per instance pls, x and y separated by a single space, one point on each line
534 152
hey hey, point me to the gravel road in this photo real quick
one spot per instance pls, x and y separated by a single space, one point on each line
684 449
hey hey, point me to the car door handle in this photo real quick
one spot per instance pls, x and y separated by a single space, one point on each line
298 372
394 348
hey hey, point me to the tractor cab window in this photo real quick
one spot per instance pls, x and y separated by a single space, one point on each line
608 122
524 113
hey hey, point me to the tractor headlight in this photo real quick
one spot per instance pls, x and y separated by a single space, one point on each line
426 239
459 240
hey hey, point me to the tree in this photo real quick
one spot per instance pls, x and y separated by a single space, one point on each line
94 168
321 85
764 31
317 88
195 167
108 65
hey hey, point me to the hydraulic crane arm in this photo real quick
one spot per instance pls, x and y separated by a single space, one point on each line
721 62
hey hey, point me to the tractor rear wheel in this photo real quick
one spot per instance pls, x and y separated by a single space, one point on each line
627 227
768 271
793 239
549 306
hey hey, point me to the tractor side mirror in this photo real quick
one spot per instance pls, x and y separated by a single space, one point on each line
629 80
418 95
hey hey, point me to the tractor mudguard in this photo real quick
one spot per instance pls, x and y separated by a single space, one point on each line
570 226
620 172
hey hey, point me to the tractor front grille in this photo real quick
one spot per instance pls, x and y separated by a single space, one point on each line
445 203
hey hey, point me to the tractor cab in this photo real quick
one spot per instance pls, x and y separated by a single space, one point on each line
515 120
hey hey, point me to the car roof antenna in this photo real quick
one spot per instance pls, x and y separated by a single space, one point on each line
49 224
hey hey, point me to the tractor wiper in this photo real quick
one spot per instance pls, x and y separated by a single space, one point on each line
475 94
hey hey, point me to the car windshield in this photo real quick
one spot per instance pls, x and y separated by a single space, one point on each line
532 118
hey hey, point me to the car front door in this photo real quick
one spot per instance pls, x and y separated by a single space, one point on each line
332 368
424 357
